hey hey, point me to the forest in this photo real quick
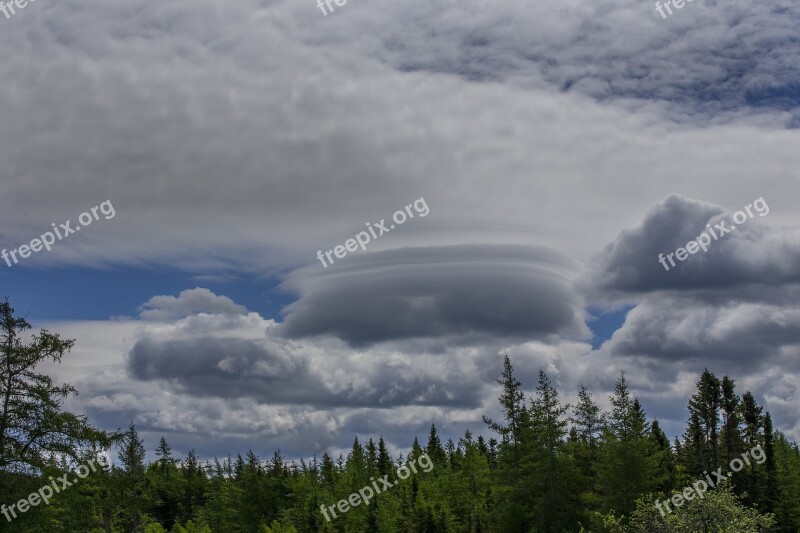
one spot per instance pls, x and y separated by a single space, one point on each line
546 466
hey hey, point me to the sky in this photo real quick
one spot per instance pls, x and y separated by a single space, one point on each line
542 155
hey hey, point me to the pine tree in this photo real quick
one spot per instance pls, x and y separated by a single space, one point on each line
132 481
164 454
693 450
372 457
512 403
512 493
195 483
435 450
753 479
587 425
384 459
704 410
731 436
328 473
166 486
554 474
660 448
771 496
587 418
626 467
787 462
33 426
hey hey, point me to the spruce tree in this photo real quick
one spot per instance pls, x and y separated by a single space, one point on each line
434 448
752 476
704 415
512 493
384 459
33 426
626 468
770 499
731 442
132 480
553 475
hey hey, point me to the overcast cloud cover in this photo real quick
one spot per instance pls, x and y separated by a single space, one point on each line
561 146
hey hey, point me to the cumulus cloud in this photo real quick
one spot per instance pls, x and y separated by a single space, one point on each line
746 337
243 356
752 253
187 303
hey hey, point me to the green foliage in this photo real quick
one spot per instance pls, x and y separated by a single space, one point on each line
628 463
33 428
555 469
718 511
278 528
191 528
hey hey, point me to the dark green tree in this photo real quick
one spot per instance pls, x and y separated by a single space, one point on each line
626 467
33 426
554 475
132 481
512 492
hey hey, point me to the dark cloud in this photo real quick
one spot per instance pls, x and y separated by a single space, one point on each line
750 254
507 291
263 370
745 337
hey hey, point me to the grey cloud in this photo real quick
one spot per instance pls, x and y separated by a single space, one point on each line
746 337
220 158
750 254
237 368
438 291
188 303
706 60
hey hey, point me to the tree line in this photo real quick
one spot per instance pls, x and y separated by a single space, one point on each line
549 467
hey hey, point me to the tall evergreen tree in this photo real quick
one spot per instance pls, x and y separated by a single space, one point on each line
770 499
660 448
787 462
166 486
731 442
513 494
512 404
33 426
554 474
625 470
434 448
133 488
195 483
704 409
587 428
384 459
753 479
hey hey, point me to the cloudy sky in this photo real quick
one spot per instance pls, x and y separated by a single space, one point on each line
557 148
